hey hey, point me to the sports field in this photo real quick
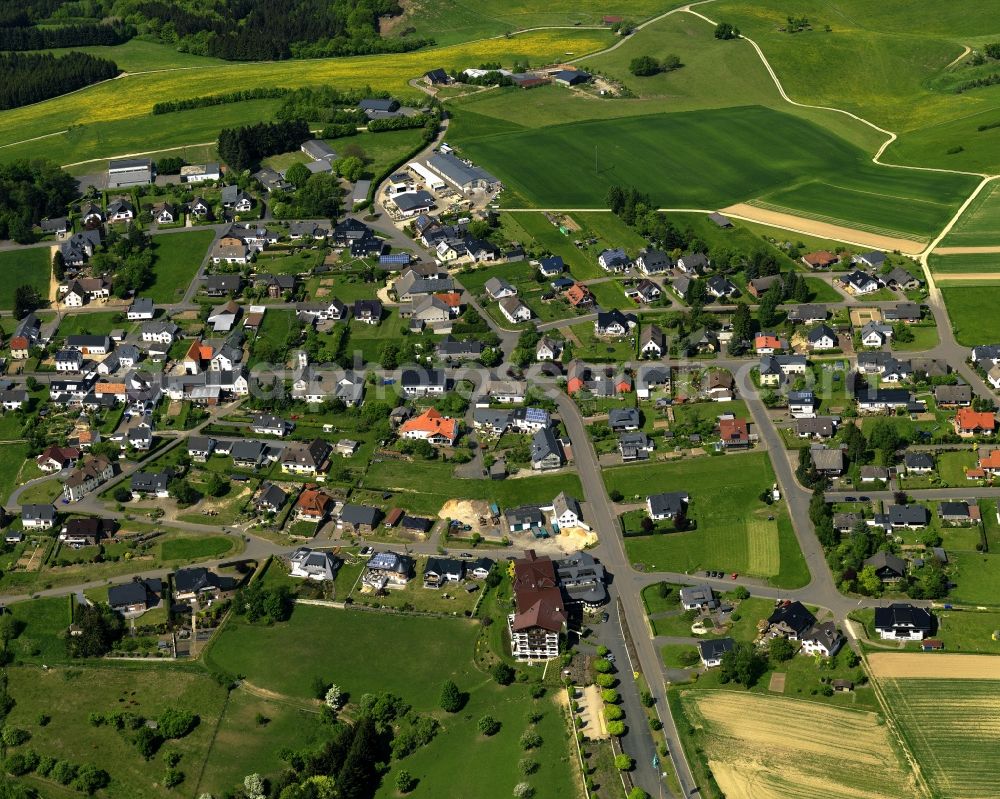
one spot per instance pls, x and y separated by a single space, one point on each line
737 154
733 532
767 747
30 267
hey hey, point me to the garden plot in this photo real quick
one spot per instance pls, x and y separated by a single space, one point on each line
763 747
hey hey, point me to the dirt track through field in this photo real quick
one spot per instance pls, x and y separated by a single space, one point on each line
825 230
945 277
929 666
967 250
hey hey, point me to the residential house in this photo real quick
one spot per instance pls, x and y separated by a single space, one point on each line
827 461
759 286
38 517
514 310
652 342
228 284
822 259
613 260
721 287
903 312
306 459
870 260
150 484
635 446
200 448
312 564
159 332
439 571
224 316
136 597
901 279
653 262
423 382
579 296
822 337
195 583
918 463
431 426
453 349
667 505
141 309
698 597
790 620
620 419
802 404
566 511
267 424
808 314
859 283
248 455
874 474
645 291
953 396
360 519
55 459
874 334
547 349
498 288
164 213
822 639
909 517
546 450
120 209
712 651
387 570
613 323
888 567
693 263
540 616
903 622
85 532
651 377
969 423
734 433
313 505
956 513
768 343
720 386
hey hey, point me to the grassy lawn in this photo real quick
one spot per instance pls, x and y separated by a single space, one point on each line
593 348
424 488
437 649
195 547
98 324
177 258
610 294
822 291
30 267
925 337
970 309
69 695
275 330
45 620
725 539
700 412
452 599
10 467
40 493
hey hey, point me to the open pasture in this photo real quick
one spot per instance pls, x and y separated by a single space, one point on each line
979 226
951 725
765 747
738 154
972 310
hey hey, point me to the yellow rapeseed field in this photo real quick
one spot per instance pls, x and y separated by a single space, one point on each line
132 96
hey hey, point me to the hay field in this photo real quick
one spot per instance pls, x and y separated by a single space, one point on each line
765 747
951 726
920 666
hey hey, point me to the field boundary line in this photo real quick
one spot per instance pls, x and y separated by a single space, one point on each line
891 136
836 221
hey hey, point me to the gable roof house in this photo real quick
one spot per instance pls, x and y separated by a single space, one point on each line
312 564
613 260
358 518
903 622
653 262
969 423
822 337
644 291
698 597
667 505
807 313
546 450
613 323
859 283
953 396
828 461
899 278
822 639
514 310
38 517
438 571
822 259
888 567
874 334
712 651
308 459
790 620
721 287
431 426
539 617
693 263
85 478
150 484
652 342
758 286
313 505
498 288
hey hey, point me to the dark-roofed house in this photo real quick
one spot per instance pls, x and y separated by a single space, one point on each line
582 580
358 518
546 450
38 517
790 620
136 597
194 583
620 419
698 597
828 461
888 567
667 505
438 571
918 463
822 639
524 518
312 564
271 499
903 622
912 517
711 651
954 513
953 396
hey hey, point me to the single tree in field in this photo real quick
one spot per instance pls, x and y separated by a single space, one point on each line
451 697
644 66
726 31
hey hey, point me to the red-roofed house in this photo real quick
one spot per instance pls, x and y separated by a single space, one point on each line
767 344
431 426
989 463
19 348
819 260
579 295
539 615
56 459
970 423
313 505
735 433
453 300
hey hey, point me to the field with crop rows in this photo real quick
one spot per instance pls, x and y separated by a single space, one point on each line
764 747
951 725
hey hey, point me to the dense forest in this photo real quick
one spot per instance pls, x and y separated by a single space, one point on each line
30 77
262 30
31 38
242 148
29 192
